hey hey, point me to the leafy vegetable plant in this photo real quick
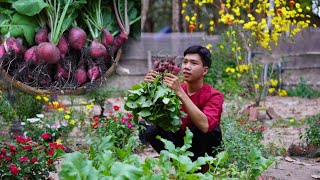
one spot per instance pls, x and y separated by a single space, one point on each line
155 102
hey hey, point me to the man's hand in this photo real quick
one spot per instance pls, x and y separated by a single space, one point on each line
173 83
150 76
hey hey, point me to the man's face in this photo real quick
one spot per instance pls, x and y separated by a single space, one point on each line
192 68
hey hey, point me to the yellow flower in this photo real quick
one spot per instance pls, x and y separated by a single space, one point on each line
282 92
83 102
46 99
38 97
60 109
221 46
256 86
68 112
232 70
67 116
72 122
291 120
273 82
58 141
55 104
89 106
255 76
239 75
271 90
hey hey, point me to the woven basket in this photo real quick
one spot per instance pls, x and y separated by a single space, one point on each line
75 91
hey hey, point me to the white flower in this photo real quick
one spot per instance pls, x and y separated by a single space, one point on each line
40 115
53 134
25 134
64 123
56 125
23 123
32 120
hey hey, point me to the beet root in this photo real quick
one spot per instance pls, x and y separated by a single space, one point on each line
30 55
63 46
107 39
41 36
97 49
77 38
48 52
81 76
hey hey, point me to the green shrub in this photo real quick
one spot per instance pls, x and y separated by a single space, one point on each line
312 133
303 90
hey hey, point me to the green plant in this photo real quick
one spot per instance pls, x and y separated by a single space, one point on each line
240 136
303 90
28 106
27 159
6 111
118 124
312 133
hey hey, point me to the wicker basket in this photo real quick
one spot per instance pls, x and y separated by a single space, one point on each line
75 91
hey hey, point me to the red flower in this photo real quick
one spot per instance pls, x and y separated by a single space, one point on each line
45 136
192 27
13 169
12 148
33 160
56 146
50 152
261 128
23 159
279 11
116 108
129 115
291 3
3 152
96 118
7 158
50 161
20 139
27 148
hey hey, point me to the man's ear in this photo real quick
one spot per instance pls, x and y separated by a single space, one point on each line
205 70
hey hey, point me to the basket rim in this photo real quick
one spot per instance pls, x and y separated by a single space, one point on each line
39 91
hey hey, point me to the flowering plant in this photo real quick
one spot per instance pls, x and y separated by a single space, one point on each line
250 26
118 124
57 124
27 159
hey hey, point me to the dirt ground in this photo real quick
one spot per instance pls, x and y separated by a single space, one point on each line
293 168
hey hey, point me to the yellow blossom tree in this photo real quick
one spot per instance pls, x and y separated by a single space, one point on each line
250 25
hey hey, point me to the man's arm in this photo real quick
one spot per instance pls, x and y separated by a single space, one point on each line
196 115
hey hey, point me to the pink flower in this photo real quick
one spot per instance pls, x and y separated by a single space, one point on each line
123 120
261 128
20 139
27 147
116 108
14 169
130 125
129 115
12 148
7 158
23 159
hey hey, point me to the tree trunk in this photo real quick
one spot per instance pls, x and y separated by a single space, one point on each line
144 13
176 15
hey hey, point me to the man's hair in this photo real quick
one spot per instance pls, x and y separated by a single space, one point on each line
202 51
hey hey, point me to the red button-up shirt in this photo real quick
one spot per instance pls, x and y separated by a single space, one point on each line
209 101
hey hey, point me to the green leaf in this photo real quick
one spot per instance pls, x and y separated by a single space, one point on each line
187 140
167 144
131 105
165 100
22 25
122 171
77 166
30 7
147 103
144 113
159 93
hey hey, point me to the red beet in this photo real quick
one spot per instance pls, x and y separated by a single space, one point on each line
107 38
77 38
12 45
176 70
47 52
2 50
120 39
97 49
30 54
42 36
81 76
62 72
107 57
63 46
93 73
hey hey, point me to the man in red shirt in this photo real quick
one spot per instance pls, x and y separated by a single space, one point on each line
201 102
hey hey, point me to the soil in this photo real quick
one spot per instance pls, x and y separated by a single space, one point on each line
277 134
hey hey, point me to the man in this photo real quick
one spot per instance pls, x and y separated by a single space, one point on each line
201 102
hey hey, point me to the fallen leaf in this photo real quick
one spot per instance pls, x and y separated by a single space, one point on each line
315 176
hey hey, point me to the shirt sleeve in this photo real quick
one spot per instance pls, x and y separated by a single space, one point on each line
213 110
